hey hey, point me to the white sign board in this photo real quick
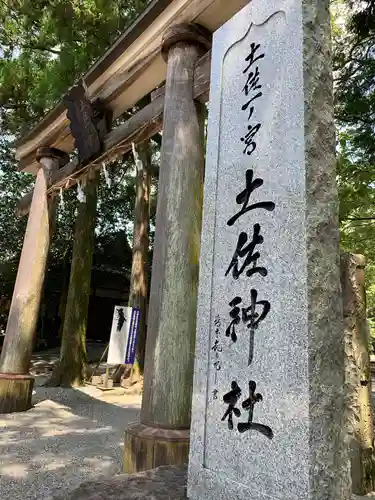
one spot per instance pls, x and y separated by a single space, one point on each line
123 335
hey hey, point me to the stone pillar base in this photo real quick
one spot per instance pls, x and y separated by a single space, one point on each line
15 392
150 447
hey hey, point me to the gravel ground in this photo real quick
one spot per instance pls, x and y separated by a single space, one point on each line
69 436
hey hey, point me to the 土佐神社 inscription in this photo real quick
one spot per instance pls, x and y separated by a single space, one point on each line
257 397
246 254
232 398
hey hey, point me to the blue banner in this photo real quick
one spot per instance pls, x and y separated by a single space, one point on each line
133 335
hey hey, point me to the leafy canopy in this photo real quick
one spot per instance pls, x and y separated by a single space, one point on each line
46 44
354 65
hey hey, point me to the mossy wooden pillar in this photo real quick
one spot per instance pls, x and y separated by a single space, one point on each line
16 383
139 274
70 372
162 436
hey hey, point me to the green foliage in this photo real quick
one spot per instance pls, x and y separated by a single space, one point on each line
13 185
354 65
47 44
362 20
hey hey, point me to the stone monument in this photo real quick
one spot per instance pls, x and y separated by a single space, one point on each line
268 401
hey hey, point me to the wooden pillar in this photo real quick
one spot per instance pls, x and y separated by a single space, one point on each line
162 437
139 274
70 371
16 383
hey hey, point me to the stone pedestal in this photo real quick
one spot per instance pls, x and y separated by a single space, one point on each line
15 382
150 447
162 439
15 392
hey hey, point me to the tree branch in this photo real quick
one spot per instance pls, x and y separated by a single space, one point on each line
356 119
13 106
41 48
359 218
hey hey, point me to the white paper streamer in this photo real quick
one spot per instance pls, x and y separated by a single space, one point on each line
137 161
62 204
106 176
80 194
85 87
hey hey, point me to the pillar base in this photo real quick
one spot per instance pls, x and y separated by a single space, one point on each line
15 392
147 447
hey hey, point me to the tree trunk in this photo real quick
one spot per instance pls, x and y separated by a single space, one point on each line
63 296
70 371
358 375
139 275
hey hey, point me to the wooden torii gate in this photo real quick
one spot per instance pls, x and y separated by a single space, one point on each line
176 32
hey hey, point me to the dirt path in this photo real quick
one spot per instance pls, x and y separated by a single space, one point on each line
69 436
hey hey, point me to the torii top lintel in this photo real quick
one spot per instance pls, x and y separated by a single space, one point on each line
129 70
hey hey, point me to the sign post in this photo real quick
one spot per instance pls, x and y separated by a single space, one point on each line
124 333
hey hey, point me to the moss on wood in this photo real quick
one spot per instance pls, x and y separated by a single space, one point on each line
70 371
